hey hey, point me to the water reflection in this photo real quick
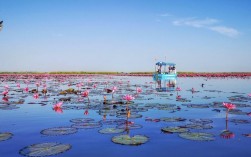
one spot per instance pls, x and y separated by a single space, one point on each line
165 85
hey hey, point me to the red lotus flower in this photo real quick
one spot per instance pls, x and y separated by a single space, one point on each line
227 134
138 90
5 99
4 93
229 106
85 93
178 89
26 89
57 107
6 87
86 112
35 96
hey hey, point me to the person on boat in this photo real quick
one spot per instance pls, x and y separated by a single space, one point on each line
1 25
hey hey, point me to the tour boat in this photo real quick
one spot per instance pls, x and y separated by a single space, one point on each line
164 70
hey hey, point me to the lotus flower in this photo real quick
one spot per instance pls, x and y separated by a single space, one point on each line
178 96
138 90
4 93
128 97
227 134
249 95
57 107
95 86
178 89
37 84
26 89
114 89
86 112
85 93
18 85
229 106
5 99
6 87
36 96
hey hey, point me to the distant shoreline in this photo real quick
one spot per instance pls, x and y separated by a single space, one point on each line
143 74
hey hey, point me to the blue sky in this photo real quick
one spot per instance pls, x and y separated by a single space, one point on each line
125 35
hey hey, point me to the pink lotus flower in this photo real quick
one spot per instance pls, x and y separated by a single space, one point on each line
58 105
36 96
5 99
4 93
249 95
229 106
6 87
95 86
18 85
128 97
26 89
86 112
178 89
37 84
227 134
85 93
138 90
114 89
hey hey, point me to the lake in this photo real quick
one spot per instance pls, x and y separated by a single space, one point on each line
162 120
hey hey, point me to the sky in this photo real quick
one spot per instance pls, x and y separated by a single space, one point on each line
125 35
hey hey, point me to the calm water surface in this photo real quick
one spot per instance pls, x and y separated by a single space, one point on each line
26 121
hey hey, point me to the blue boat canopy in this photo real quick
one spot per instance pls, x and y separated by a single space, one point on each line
165 64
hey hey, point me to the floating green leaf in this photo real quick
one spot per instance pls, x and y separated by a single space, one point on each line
197 136
87 125
44 149
128 140
81 120
174 129
59 131
5 136
111 131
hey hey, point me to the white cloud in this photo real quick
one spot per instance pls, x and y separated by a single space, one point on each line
208 23
231 32
193 22
166 15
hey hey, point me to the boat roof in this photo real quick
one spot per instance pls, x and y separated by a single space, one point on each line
165 63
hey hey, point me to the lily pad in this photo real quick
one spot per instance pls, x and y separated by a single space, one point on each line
198 126
113 121
240 121
201 121
197 136
128 140
44 149
5 136
172 119
59 131
174 130
81 120
88 125
129 126
111 131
